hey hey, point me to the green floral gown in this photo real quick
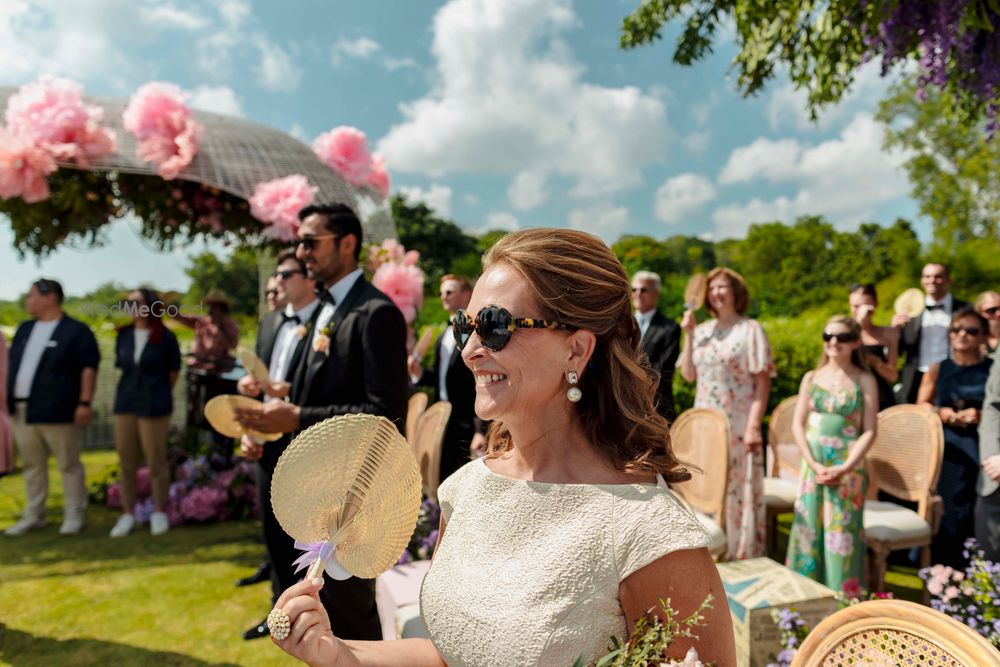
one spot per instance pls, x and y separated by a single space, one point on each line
826 542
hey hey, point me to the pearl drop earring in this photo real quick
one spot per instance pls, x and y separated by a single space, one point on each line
573 393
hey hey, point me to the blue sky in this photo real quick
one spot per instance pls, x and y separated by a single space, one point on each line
497 113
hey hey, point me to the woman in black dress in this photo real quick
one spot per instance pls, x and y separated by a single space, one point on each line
955 389
881 344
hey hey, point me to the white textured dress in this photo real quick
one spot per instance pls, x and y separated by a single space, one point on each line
527 573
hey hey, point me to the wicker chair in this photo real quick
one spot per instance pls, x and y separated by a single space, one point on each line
700 437
894 632
427 440
781 485
415 408
904 461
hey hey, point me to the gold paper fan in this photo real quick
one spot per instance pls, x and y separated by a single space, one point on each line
910 302
219 413
694 292
253 365
351 480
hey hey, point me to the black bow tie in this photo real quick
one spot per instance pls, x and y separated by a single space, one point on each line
285 317
325 297
935 306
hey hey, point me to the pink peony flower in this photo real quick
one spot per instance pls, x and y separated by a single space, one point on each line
157 115
142 485
52 113
379 178
23 168
344 149
277 203
115 496
852 588
204 503
404 284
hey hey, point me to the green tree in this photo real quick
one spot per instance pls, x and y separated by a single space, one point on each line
441 243
951 166
236 276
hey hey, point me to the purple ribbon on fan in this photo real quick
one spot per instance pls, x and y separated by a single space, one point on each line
322 551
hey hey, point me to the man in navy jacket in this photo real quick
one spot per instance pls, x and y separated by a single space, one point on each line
53 369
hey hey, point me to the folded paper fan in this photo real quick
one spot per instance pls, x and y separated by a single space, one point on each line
349 489
219 411
910 302
253 365
694 292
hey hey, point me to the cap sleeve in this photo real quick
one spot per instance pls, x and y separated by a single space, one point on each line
651 526
758 350
451 489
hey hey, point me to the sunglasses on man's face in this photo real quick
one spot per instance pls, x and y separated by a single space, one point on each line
285 275
309 242
495 325
972 331
846 337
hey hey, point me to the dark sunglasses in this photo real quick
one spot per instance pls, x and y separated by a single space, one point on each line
972 331
309 242
495 325
847 337
991 311
285 275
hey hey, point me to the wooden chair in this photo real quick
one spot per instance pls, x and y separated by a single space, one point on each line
427 440
894 632
784 458
415 408
700 437
904 461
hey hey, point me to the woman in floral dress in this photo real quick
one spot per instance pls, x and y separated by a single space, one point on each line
731 360
834 426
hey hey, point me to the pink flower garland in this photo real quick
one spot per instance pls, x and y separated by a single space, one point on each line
379 178
23 168
157 115
344 149
52 114
277 203
398 276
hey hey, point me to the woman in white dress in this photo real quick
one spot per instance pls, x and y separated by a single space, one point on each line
565 533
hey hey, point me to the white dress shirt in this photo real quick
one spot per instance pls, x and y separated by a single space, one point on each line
141 337
934 325
38 341
287 338
447 348
338 291
644 319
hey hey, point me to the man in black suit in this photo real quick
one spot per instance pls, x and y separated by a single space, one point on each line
53 370
453 382
924 339
282 339
661 337
355 363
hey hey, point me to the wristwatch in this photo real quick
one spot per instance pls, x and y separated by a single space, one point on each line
85 404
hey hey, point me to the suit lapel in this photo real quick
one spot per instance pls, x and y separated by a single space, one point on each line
270 329
315 360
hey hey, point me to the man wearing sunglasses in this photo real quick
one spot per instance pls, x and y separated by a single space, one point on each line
53 370
274 295
453 381
661 337
355 362
282 339
924 339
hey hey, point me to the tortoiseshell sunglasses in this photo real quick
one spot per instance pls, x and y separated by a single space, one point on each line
495 325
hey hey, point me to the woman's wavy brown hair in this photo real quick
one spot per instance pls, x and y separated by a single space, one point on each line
576 279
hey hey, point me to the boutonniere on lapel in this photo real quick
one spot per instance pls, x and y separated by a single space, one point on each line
322 342
301 331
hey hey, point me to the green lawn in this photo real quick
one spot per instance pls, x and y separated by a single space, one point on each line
90 600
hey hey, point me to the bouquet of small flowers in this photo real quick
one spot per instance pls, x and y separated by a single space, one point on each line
971 596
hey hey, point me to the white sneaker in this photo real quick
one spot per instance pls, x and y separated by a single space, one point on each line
124 526
158 523
71 525
23 525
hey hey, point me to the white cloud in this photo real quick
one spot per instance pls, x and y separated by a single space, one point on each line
471 199
217 99
772 160
500 220
682 195
277 71
361 48
602 219
527 190
844 179
697 142
393 64
172 16
437 197
511 96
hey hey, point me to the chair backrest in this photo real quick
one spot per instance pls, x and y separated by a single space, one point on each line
785 457
700 437
905 459
427 441
894 632
415 408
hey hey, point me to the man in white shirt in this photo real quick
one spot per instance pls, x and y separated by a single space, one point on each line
924 339
53 370
661 337
453 382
